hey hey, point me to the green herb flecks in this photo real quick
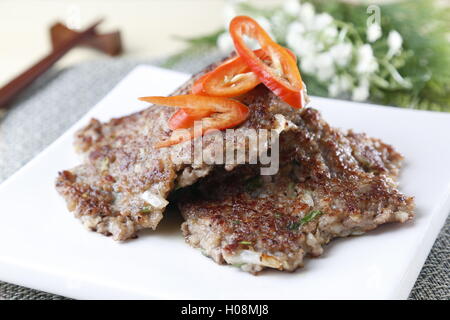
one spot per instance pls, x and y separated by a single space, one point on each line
146 209
238 265
291 193
247 243
309 217
293 226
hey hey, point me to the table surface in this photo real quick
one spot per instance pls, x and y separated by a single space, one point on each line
147 27
98 78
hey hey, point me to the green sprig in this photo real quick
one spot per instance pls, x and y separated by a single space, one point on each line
309 217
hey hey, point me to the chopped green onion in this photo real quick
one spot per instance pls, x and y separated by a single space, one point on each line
146 209
291 193
238 265
293 226
309 217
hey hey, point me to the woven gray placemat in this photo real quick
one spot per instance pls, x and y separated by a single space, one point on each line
59 98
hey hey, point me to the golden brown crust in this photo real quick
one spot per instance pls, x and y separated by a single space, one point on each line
345 177
120 165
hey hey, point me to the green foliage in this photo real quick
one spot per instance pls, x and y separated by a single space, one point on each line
424 60
425 29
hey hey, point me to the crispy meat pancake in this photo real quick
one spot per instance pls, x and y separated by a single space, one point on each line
123 183
331 184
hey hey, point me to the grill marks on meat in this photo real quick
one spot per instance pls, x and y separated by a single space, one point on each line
347 180
123 183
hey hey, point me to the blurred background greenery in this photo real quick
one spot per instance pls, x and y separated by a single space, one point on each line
394 53
400 59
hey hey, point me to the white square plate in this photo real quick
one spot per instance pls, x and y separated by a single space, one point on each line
44 247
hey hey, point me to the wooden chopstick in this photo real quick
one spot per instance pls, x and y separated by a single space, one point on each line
14 87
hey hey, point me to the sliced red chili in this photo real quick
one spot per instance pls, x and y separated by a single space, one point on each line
222 113
230 79
184 118
281 76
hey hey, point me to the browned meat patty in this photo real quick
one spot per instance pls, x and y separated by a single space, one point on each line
331 185
123 183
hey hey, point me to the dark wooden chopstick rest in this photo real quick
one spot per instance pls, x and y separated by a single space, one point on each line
109 43
63 39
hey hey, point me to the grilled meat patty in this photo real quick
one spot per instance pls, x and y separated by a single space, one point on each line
331 184
123 183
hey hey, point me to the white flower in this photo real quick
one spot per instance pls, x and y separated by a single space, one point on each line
294 37
292 7
265 24
296 28
395 42
299 41
341 53
367 63
325 66
321 21
252 43
308 64
307 47
340 85
278 22
361 92
373 32
345 82
334 90
330 34
225 43
306 14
